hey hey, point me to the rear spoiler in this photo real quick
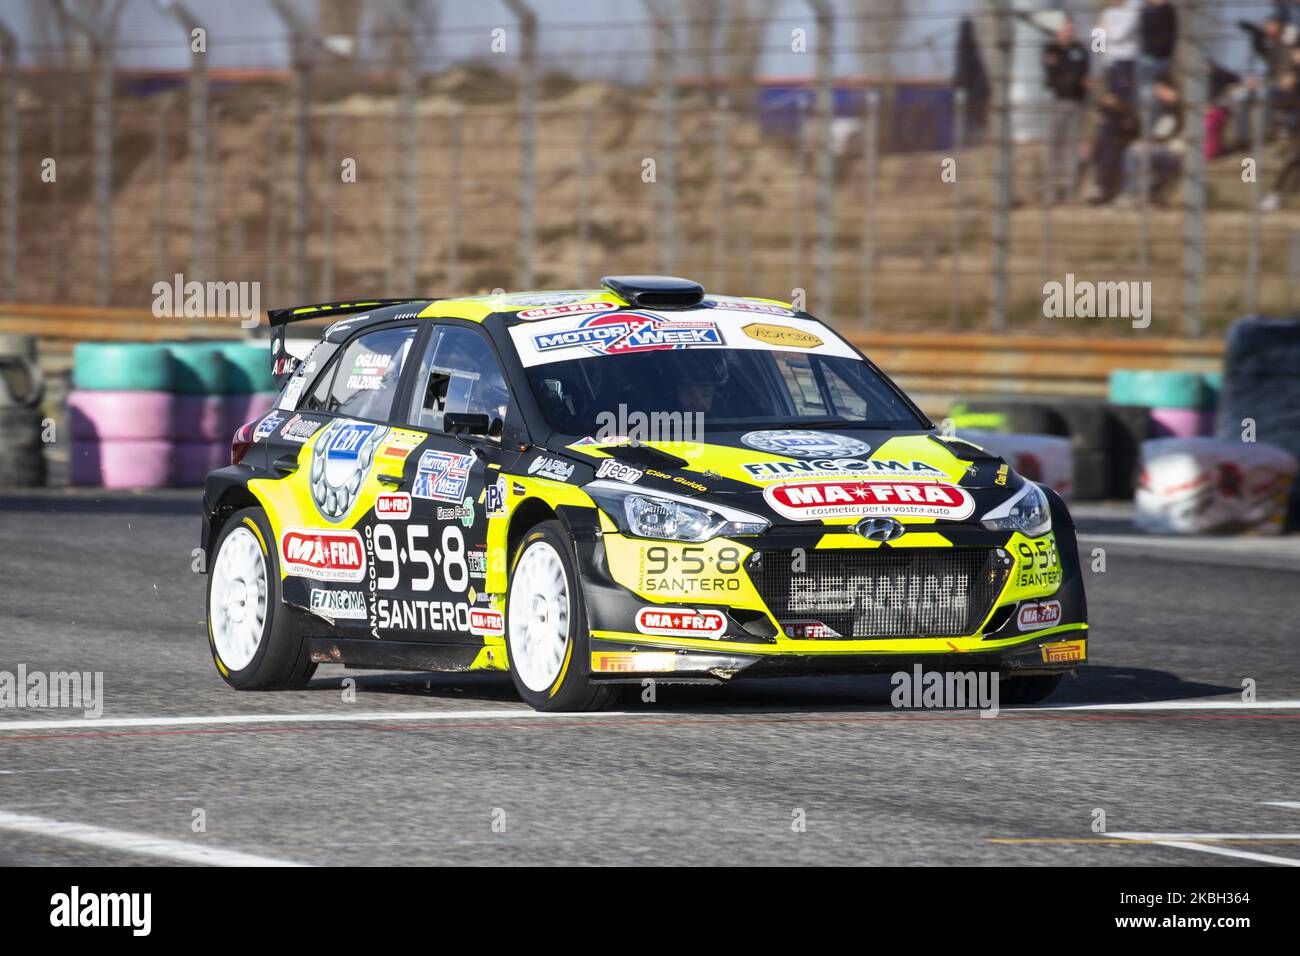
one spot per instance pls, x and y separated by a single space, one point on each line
282 363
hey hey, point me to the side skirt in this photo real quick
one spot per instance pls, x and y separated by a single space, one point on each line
395 655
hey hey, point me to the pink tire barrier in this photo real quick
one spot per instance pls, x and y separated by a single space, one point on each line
120 463
199 418
113 416
243 408
192 460
1181 423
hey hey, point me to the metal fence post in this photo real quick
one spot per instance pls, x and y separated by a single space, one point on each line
527 139
198 92
871 145
303 46
408 63
1197 83
959 201
825 159
453 201
327 224
101 36
665 171
1002 165
1256 153
584 196
722 182
9 163
162 165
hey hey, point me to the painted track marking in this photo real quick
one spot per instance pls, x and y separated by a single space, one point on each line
124 841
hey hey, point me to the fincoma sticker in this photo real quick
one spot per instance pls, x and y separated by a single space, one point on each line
346 605
840 468
679 623
486 621
326 554
393 506
805 444
1039 614
810 500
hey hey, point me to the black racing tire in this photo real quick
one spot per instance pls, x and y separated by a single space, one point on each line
572 690
281 660
1027 690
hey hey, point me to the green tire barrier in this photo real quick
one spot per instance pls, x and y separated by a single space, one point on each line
1159 389
248 368
200 368
122 367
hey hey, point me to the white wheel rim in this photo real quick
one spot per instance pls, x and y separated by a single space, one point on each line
538 611
237 607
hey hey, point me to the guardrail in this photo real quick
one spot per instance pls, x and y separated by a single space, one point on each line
936 368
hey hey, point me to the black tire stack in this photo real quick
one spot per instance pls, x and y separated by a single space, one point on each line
22 458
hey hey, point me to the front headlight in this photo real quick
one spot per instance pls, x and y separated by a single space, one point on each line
1028 512
659 514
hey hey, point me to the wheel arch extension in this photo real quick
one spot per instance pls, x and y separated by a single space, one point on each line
233 498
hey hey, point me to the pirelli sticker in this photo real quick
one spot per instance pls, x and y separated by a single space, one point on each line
1063 652
632 662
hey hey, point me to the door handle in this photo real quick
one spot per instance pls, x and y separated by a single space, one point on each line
286 464
394 480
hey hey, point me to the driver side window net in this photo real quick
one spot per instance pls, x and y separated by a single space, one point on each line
459 374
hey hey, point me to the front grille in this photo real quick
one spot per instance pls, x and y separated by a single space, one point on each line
885 592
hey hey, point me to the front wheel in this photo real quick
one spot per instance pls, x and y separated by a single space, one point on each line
1028 690
546 634
252 636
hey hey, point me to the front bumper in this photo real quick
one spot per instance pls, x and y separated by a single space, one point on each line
718 618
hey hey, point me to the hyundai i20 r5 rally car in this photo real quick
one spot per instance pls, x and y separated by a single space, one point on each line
592 488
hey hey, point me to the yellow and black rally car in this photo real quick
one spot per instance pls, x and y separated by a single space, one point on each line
593 488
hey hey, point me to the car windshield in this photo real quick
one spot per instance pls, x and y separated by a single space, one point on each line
732 389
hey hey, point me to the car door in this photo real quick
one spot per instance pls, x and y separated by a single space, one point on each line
433 563
335 445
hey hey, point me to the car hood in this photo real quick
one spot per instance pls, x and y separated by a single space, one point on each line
810 475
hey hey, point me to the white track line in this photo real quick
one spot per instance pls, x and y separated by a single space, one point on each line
1175 705
1177 841
124 841
521 713
1288 804
326 718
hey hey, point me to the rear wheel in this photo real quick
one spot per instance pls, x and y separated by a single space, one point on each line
1028 690
546 635
252 636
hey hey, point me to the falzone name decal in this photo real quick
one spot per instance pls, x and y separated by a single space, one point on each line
812 500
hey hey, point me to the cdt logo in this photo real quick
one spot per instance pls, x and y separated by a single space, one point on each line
341 459
74 909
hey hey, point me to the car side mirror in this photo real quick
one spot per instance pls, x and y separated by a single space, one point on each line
465 423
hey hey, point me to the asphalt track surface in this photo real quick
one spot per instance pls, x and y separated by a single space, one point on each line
454 769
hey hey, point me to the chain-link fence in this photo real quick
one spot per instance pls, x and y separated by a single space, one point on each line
880 199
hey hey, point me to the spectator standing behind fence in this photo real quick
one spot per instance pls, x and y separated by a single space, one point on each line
1117 126
1119 24
1158 32
1065 73
1163 146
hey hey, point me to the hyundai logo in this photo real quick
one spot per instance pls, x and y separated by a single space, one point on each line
879 529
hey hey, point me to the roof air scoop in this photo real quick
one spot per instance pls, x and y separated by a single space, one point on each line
655 292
